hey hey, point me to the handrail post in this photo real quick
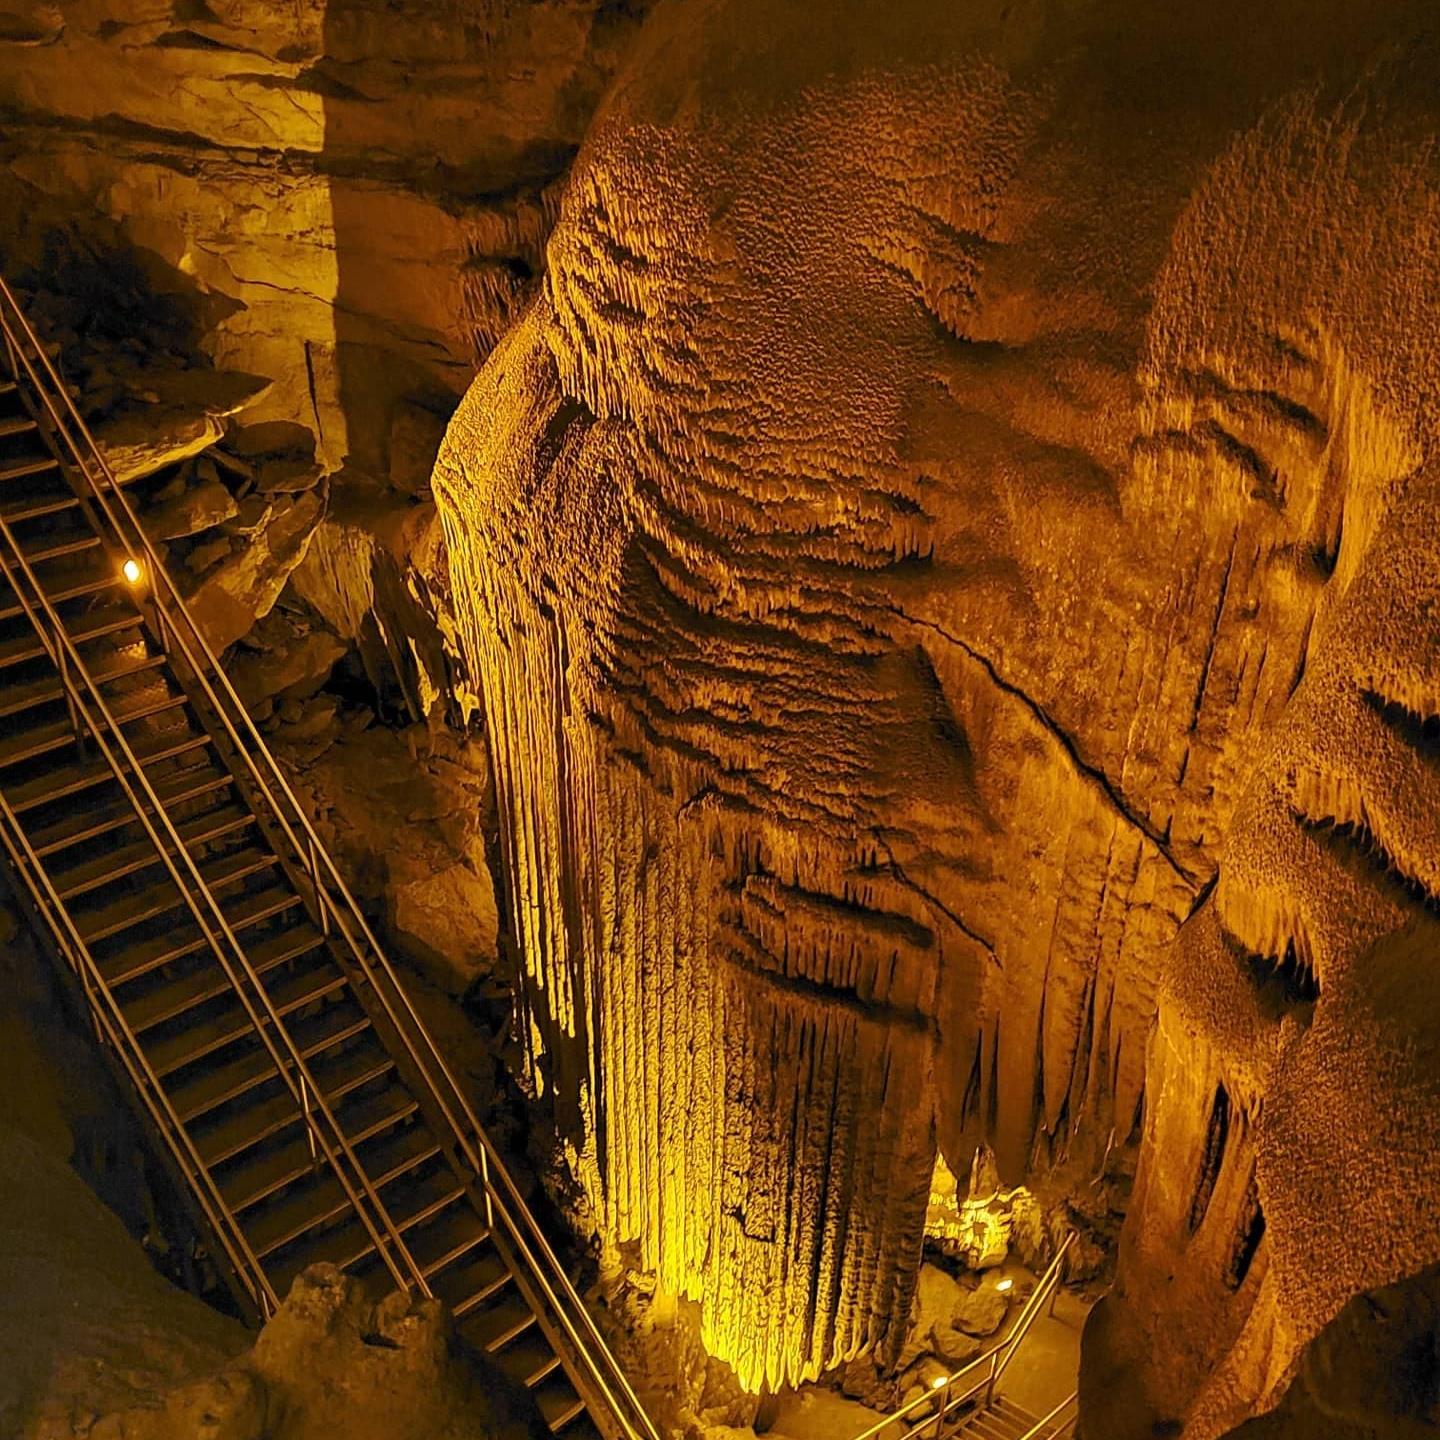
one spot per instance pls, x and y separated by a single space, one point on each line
309 1122
486 1186
322 908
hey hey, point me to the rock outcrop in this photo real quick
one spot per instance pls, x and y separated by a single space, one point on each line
359 191
333 1361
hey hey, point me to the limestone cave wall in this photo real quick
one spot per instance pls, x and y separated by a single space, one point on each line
937 528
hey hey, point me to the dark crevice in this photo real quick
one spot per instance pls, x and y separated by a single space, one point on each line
1355 844
1215 620
1296 979
992 1096
1092 773
1419 732
970 1103
1288 985
1249 1232
191 40
1217 1133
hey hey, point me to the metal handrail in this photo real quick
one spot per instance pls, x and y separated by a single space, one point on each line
944 1394
1041 1427
996 1358
1049 1283
504 1197
108 1016
68 661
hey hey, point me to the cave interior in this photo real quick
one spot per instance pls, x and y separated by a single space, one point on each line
719 719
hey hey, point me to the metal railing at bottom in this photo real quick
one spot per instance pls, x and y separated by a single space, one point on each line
952 1398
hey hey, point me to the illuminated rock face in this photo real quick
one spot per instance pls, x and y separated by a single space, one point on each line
881 613
360 188
1292 1151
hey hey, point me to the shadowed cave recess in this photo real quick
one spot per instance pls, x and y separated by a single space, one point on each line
853 595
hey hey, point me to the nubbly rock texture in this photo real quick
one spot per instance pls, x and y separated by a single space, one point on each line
957 506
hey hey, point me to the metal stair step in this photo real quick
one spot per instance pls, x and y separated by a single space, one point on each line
449 1236
528 1358
986 1425
217 824
411 1203
40 740
202 1030
174 995
226 1137
88 580
93 625
17 425
21 467
334 1026
51 687
559 1405
473 1278
71 779
491 1327
264 1174
417 1199
194 782
1020 1420
162 897
347 1245
37 549
582 1427
139 958
309 1207
18 509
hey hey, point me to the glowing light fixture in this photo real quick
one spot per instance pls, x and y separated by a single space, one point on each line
938 1382
131 571
1004 1286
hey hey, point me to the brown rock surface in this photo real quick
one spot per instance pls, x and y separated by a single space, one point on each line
880 614
332 1361
403 814
361 189
245 585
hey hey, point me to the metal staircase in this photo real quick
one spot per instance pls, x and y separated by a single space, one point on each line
969 1403
163 856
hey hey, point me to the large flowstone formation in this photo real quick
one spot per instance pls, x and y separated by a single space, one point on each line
888 545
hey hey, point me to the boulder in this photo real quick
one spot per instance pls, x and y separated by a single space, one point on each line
287 475
981 1311
196 508
332 1361
244 586
139 442
294 670
447 922
271 437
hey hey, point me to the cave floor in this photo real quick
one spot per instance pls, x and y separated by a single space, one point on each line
1047 1364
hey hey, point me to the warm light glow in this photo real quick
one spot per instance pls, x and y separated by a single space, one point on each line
937 1382
978 1223
132 571
1004 1286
